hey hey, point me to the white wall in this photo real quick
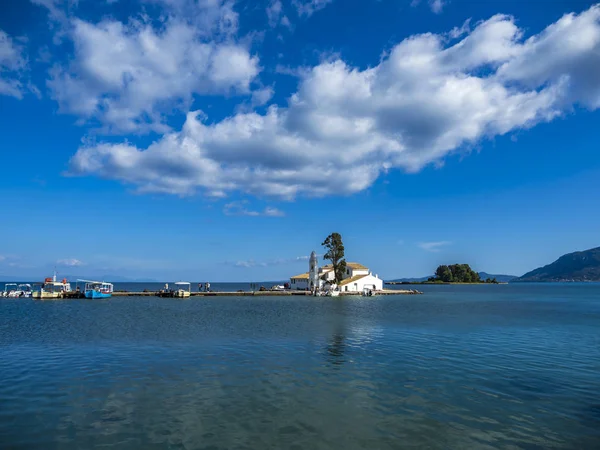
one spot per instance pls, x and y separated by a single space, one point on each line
328 275
354 272
299 283
370 282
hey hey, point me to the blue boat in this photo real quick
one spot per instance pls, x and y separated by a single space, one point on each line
97 289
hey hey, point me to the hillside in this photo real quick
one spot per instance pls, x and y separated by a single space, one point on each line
482 275
577 266
500 278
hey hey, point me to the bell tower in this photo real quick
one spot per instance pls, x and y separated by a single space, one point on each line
313 272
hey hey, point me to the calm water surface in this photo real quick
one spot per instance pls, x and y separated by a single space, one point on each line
509 366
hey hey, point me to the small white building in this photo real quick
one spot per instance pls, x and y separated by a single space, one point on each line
356 279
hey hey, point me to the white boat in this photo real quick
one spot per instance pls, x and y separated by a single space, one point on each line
51 289
367 292
333 291
183 289
9 290
23 290
279 287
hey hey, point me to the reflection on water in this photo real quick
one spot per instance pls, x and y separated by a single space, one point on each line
500 367
335 349
336 344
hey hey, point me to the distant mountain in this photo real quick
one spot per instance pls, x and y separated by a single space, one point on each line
482 275
577 266
500 278
409 280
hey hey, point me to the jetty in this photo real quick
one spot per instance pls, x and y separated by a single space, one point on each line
258 293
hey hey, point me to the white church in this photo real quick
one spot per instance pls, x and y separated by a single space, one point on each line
356 279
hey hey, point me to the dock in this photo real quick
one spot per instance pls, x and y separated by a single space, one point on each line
287 293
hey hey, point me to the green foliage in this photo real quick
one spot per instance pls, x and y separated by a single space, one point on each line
457 273
444 274
335 253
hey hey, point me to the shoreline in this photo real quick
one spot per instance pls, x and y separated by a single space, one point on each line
409 283
253 294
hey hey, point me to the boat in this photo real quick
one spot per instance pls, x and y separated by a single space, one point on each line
97 289
183 289
9 290
367 292
51 289
333 291
23 290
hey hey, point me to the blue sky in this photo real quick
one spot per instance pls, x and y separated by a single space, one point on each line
224 140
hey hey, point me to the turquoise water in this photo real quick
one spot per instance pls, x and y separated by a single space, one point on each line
508 366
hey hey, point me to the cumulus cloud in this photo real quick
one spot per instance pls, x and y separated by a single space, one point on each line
240 208
434 246
345 126
126 74
70 262
309 7
12 65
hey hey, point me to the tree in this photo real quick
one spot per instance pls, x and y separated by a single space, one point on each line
335 254
457 273
444 274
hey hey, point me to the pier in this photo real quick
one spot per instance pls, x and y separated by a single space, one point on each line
287 293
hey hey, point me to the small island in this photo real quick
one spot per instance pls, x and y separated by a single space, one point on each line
452 274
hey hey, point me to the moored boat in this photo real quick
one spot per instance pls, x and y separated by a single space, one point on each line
51 289
23 290
9 290
333 291
183 289
97 289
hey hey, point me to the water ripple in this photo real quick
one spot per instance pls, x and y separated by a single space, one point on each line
475 370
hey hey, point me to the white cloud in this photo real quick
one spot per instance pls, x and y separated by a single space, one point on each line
274 262
239 208
262 96
12 65
273 212
274 11
437 6
126 75
2 258
248 264
70 262
309 7
286 22
275 15
433 246
345 126
457 32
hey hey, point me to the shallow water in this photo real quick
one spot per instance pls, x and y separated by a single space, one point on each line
508 366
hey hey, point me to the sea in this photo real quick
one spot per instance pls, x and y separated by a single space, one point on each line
513 366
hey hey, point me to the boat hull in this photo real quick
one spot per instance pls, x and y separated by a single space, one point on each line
181 294
46 295
96 294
